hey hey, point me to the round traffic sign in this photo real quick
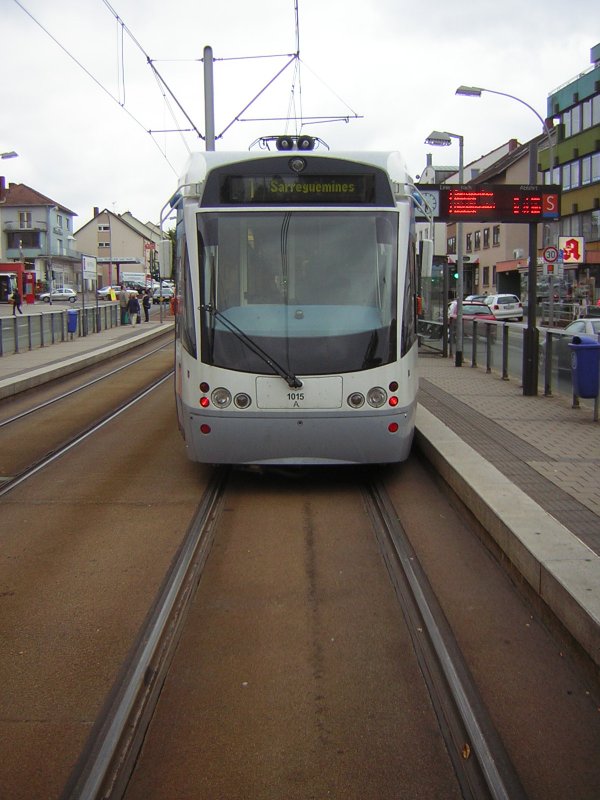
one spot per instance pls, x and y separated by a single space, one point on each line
550 255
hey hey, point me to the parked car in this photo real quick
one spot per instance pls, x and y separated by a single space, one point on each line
560 344
477 311
476 298
164 295
104 292
63 293
505 306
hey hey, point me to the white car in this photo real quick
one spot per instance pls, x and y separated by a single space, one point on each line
104 293
62 293
505 306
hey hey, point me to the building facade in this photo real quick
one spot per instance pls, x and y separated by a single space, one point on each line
126 250
37 232
575 106
496 255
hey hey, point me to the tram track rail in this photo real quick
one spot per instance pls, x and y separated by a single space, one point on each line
481 763
63 395
109 758
31 470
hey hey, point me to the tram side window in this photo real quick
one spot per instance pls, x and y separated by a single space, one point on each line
408 311
186 321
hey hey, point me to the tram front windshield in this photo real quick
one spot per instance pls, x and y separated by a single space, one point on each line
315 291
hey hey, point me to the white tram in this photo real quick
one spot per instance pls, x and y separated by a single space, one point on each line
296 307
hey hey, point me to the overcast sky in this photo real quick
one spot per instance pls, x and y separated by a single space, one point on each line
83 141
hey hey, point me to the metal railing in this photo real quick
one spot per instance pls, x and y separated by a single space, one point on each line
33 330
498 346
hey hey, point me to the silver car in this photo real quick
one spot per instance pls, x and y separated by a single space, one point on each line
505 306
62 293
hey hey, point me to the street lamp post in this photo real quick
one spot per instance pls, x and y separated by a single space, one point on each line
444 139
530 340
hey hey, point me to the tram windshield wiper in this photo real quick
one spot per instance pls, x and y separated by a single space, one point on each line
291 379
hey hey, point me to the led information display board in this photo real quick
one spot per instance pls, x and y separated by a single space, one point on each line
491 202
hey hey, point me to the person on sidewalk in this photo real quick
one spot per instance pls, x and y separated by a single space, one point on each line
146 303
16 301
134 309
123 303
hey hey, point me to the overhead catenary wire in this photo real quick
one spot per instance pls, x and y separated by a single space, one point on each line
93 78
295 110
152 66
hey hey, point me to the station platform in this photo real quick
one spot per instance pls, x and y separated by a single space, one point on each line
528 468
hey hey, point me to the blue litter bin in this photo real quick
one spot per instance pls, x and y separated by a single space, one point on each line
585 366
72 320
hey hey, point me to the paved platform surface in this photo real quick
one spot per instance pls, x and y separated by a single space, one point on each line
527 467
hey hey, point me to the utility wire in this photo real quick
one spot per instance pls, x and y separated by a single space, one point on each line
96 81
150 63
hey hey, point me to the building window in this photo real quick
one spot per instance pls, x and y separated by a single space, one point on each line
575 120
59 220
103 244
469 242
571 225
566 121
595 236
486 276
486 237
595 167
477 240
24 219
103 227
17 240
494 275
451 244
586 112
575 175
496 235
596 109
586 170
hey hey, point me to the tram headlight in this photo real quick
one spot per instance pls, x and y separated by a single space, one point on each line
356 400
305 143
221 397
376 396
284 143
242 400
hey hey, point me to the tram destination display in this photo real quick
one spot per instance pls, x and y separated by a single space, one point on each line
294 189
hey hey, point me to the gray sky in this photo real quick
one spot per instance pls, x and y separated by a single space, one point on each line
394 63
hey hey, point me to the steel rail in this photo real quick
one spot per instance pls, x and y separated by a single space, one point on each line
64 395
96 426
106 764
483 767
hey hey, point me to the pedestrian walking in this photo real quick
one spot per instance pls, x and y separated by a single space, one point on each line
16 301
123 303
134 310
146 303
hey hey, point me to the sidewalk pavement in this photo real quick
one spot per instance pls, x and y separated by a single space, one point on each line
528 468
